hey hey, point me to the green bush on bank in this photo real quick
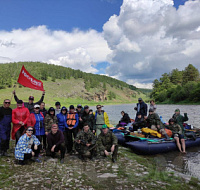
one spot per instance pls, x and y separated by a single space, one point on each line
178 86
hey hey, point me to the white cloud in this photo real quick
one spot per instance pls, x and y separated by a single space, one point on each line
140 84
78 49
151 37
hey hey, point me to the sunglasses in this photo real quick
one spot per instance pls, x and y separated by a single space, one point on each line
37 108
98 107
7 102
30 130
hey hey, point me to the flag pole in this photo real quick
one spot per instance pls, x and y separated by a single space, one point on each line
12 92
15 85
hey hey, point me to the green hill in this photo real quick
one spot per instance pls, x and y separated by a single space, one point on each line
66 85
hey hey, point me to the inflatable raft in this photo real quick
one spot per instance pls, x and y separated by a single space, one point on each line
155 146
150 146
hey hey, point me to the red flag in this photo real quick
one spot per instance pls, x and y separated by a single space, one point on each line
29 81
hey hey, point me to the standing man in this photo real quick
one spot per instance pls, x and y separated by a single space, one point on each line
141 108
5 127
56 142
80 111
30 104
107 143
42 109
88 118
101 118
20 116
179 119
71 128
57 110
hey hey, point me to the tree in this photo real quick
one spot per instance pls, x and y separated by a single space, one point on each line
176 76
190 74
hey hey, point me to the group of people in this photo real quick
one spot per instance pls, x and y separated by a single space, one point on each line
154 122
79 129
61 130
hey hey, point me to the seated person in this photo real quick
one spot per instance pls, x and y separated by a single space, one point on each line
125 119
56 142
85 142
177 135
27 147
153 121
140 123
180 119
107 142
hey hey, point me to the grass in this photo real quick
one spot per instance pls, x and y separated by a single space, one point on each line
69 92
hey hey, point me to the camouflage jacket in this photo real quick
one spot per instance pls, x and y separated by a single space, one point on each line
154 119
179 119
86 137
48 121
175 128
106 140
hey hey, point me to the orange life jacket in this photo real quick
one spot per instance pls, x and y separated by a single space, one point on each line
71 119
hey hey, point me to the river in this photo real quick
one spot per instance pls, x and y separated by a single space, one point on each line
185 165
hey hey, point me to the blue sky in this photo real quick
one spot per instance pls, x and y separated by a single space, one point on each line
95 36
57 14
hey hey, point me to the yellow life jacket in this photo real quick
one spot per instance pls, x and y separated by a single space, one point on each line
152 132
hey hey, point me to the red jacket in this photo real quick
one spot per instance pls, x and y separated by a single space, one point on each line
19 114
31 119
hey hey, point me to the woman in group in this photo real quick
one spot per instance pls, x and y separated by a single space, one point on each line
125 119
20 116
49 120
177 135
62 122
62 119
27 147
36 119
153 105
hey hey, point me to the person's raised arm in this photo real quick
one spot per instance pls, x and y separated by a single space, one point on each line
15 96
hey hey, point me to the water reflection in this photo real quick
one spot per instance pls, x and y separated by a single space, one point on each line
187 164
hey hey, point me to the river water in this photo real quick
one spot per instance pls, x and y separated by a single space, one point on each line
185 165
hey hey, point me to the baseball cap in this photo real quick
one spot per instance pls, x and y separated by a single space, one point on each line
19 101
36 106
79 106
86 107
71 107
57 104
31 98
104 126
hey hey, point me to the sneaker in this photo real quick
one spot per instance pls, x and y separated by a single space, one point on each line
37 160
113 160
21 162
62 161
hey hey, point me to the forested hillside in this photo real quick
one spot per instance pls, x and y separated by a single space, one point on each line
9 74
178 86
65 83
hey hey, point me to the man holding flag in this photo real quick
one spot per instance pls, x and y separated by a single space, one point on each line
30 104
27 80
